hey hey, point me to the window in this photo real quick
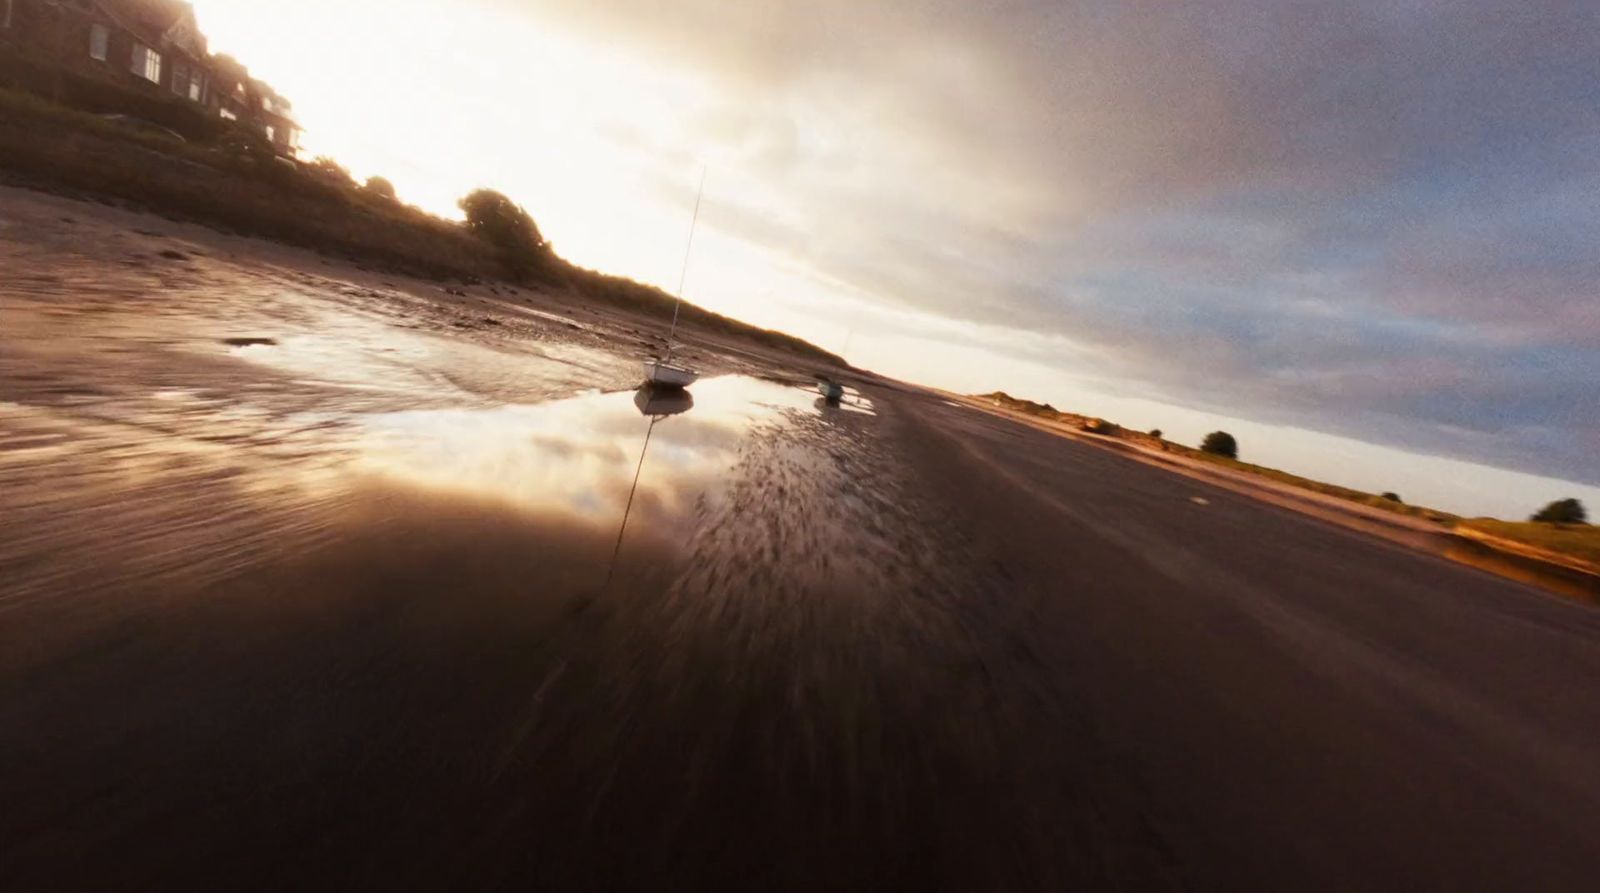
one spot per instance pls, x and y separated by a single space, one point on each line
5 13
228 114
272 134
99 41
180 79
146 63
197 85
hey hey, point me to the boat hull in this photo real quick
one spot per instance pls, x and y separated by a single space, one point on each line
655 401
667 376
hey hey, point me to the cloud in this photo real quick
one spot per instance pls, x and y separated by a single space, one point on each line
1374 218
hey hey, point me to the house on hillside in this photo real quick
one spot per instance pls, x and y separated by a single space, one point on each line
230 88
147 58
147 45
275 116
236 96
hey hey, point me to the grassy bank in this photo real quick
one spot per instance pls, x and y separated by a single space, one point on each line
230 187
1372 500
233 185
1581 541
1110 430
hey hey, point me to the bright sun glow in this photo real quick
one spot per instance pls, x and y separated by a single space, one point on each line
604 150
443 103
594 143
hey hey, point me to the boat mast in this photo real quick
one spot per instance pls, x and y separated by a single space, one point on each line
683 273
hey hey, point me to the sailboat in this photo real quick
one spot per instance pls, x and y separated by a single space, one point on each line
660 371
663 374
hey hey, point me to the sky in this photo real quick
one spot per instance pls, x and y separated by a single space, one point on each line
1363 236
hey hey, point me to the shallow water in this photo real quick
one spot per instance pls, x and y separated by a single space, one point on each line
577 456
178 425
598 460
329 579
385 565
197 486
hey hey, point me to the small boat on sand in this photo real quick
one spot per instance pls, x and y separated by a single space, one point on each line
831 390
663 374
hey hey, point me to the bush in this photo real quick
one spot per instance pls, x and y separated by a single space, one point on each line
240 186
1220 443
330 172
1562 511
1392 496
503 223
45 79
380 187
1156 433
248 151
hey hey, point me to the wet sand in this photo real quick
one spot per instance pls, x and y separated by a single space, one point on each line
316 578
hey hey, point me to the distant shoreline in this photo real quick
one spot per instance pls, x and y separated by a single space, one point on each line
60 150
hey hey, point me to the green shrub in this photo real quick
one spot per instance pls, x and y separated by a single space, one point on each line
380 187
330 172
1562 511
503 223
1220 443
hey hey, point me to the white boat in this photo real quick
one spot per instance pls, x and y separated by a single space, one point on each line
665 375
831 391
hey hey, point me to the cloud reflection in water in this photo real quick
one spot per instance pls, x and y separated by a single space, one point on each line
575 460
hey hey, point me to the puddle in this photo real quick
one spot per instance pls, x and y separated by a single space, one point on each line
181 488
583 459
636 466
612 486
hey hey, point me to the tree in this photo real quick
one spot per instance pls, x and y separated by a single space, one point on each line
498 220
1563 511
1220 443
380 187
330 171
